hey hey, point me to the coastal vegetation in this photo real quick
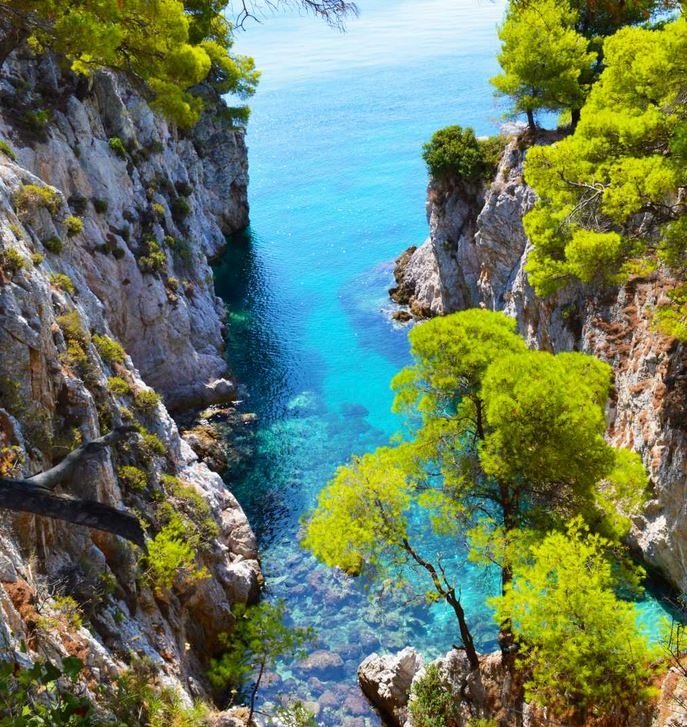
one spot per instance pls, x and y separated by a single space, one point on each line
504 449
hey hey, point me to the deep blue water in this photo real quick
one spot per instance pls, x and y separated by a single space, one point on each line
337 191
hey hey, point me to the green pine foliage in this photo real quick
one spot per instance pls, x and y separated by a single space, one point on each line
170 46
432 703
546 63
580 644
609 200
455 152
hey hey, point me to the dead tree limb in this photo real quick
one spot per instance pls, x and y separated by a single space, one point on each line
35 494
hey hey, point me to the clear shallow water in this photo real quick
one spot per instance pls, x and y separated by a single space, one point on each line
337 191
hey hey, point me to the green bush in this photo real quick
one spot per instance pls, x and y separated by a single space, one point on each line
172 555
151 445
99 205
7 150
133 478
193 505
72 328
43 695
63 282
12 261
53 245
432 704
33 196
154 260
110 350
37 258
180 209
37 119
146 400
117 146
118 386
74 225
158 210
457 152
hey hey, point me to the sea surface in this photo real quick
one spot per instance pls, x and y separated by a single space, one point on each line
337 191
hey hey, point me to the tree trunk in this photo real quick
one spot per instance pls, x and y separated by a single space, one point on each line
35 494
574 118
530 121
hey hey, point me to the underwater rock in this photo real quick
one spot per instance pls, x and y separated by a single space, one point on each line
325 664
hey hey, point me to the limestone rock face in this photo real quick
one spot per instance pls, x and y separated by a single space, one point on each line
386 681
134 271
485 266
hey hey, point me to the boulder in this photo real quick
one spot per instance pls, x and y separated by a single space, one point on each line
386 680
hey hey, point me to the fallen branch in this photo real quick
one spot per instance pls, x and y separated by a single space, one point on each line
35 494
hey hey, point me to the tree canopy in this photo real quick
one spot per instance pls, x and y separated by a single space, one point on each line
546 62
503 442
165 46
581 645
610 199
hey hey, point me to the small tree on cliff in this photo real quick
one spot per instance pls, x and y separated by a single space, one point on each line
507 443
546 63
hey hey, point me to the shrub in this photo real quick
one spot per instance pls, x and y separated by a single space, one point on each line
63 282
117 146
158 209
37 258
75 355
74 225
16 230
12 261
456 152
151 444
146 400
71 326
99 205
172 554
432 704
110 351
43 694
180 209
133 478
193 505
37 119
7 150
154 261
53 245
33 196
118 386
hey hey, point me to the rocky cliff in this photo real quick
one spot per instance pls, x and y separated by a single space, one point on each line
476 256
108 217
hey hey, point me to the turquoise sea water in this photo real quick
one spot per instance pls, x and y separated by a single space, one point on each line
337 191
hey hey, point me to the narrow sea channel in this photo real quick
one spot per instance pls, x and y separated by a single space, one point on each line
337 190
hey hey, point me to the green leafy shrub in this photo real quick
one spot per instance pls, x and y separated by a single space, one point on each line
138 699
180 209
146 400
151 444
457 152
99 205
117 146
37 258
172 555
432 704
33 196
110 351
53 245
158 210
63 282
43 695
193 505
74 225
12 261
118 386
72 328
133 478
154 260
7 150
37 119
